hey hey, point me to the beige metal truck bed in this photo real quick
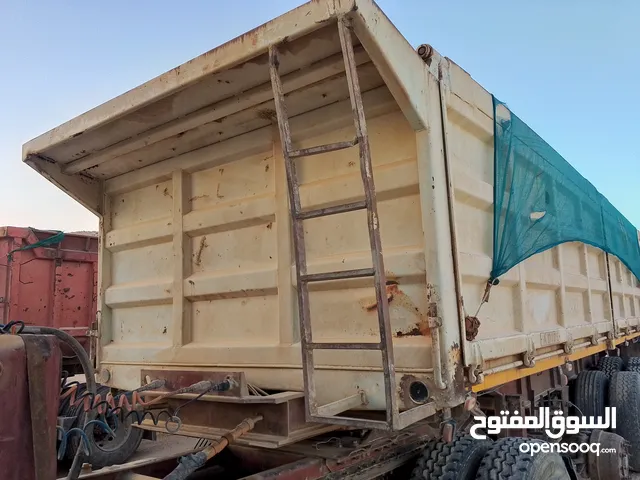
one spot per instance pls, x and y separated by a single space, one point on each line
197 269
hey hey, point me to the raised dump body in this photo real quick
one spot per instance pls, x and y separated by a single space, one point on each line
198 267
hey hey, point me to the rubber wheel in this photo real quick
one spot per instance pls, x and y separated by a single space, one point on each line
504 461
590 393
457 460
610 365
633 364
106 449
610 465
624 395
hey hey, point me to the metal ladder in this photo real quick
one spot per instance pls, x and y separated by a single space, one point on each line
329 413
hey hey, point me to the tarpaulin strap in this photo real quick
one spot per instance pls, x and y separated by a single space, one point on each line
487 291
47 242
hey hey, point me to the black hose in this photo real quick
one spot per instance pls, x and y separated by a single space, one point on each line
90 379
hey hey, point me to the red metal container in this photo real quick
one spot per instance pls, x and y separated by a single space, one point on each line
53 285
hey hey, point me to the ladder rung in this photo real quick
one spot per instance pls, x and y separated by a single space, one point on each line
343 405
344 346
323 212
322 277
330 147
350 422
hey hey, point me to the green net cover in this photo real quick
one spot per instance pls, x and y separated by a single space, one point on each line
541 201
47 242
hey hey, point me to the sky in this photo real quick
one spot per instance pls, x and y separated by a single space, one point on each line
569 69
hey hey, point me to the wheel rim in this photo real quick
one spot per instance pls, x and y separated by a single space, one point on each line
108 443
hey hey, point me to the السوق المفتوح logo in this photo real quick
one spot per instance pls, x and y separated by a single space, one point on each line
555 424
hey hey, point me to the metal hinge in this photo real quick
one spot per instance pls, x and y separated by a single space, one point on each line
529 357
93 329
475 374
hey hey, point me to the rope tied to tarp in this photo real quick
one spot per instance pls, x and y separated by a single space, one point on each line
487 292
47 242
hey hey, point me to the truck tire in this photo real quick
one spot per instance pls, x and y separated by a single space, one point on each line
612 465
105 449
610 365
633 364
504 461
457 460
590 393
624 395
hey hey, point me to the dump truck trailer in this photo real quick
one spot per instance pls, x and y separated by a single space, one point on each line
49 278
317 228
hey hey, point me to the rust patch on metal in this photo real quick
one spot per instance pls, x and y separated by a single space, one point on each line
197 197
454 352
267 114
295 47
471 327
203 245
421 329
459 378
395 294
432 293
392 291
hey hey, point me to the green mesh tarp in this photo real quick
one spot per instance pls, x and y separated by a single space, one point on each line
541 201
47 242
